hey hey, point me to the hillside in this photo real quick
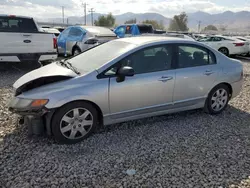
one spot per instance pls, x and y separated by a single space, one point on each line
229 20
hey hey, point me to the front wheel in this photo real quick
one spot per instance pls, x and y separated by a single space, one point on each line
74 122
217 100
224 51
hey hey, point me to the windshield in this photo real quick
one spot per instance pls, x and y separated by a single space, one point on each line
100 55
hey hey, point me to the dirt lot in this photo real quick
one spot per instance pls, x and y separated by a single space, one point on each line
189 149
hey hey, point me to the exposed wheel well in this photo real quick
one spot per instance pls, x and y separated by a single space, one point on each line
74 48
224 48
229 87
100 114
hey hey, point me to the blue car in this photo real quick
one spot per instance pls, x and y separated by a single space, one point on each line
76 39
129 30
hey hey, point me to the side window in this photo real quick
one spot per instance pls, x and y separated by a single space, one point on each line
75 32
151 59
65 33
193 56
128 30
27 25
12 24
217 39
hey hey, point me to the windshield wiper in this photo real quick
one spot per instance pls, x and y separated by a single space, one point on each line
68 65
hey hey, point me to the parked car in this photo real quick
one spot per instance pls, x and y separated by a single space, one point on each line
76 39
54 31
179 36
22 40
199 36
122 80
226 45
61 29
128 30
245 40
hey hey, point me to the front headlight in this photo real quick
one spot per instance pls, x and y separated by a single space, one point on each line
27 103
39 102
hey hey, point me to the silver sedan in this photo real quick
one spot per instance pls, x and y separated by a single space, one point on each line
122 80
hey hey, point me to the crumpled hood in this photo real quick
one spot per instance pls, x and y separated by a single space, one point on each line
44 75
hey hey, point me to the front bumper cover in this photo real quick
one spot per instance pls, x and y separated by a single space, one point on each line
38 120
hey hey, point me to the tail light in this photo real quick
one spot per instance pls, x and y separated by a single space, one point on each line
55 43
239 44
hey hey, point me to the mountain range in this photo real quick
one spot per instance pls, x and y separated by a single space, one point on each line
237 21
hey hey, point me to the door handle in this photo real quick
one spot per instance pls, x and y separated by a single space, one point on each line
27 41
26 35
165 78
208 72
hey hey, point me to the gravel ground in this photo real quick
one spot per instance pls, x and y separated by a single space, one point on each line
189 149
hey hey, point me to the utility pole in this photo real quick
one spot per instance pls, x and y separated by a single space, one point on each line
85 13
63 13
92 18
199 26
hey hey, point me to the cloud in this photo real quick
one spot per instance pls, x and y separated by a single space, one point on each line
170 8
52 8
54 3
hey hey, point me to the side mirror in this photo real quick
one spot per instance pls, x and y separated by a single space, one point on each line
124 72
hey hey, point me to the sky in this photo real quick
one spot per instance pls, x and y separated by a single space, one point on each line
42 9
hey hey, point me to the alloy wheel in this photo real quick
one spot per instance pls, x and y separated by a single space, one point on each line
224 51
219 99
76 123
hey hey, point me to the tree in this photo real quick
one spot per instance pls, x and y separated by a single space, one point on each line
105 21
210 28
179 22
131 21
155 24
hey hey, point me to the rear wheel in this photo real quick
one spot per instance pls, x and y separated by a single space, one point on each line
217 99
224 51
74 122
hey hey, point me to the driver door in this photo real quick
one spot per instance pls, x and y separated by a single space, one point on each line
150 89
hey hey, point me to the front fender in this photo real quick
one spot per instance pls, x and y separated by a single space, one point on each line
96 93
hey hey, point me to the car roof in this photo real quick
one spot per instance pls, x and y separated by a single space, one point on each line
98 30
14 16
149 39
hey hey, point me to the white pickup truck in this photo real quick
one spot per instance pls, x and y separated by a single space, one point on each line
22 41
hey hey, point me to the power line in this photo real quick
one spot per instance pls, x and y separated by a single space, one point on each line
85 13
92 18
199 26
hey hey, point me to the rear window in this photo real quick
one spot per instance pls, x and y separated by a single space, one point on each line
145 29
13 24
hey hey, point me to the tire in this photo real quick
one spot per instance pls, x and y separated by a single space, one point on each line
70 128
224 51
217 99
76 51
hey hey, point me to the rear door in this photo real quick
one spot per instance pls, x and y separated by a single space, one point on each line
10 36
210 42
35 41
61 41
196 73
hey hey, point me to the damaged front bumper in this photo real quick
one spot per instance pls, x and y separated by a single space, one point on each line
38 119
